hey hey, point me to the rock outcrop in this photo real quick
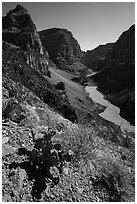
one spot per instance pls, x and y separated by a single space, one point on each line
61 45
63 49
123 51
119 72
19 29
25 63
95 59
13 110
17 75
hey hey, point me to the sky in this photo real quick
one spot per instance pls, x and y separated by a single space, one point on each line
91 23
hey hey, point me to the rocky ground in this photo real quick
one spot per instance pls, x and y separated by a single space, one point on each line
37 95
102 167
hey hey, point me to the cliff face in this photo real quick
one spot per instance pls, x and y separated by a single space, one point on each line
25 63
123 51
19 29
96 58
120 53
18 77
119 72
61 45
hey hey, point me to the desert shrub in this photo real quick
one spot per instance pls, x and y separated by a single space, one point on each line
109 172
13 110
32 118
79 140
16 89
60 86
114 176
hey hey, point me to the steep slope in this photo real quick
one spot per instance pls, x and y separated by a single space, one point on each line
61 43
124 48
26 63
100 170
102 164
120 52
96 58
19 29
63 48
119 72
118 76
18 74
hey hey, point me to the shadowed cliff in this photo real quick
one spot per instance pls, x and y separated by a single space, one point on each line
117 77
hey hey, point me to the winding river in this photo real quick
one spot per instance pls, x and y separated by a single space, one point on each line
112 112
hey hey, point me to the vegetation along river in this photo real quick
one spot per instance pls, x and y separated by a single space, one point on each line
112 112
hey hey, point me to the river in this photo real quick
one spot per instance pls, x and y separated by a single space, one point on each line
112 112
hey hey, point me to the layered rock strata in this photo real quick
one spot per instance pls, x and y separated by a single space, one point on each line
19 29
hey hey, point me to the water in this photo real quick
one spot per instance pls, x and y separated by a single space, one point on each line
112 112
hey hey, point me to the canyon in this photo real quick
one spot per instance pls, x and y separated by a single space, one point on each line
43 76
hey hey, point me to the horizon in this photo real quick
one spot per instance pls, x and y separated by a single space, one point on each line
99 24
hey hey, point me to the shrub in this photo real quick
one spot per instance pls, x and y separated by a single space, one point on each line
60 86
16 89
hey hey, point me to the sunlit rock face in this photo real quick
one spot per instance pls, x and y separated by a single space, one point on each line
25 62
61 45
19 77
19 29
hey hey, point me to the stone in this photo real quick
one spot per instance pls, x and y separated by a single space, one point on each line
95 59
5 140
7 149
19 29
26 62
13 111
61 43
117 76
66 171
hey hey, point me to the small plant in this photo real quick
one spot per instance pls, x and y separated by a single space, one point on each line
79 140
16 89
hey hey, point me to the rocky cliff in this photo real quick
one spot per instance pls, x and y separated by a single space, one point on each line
19 29
63 48
25 63
123 51
96 58
60 43
119 72
96 159
120 52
